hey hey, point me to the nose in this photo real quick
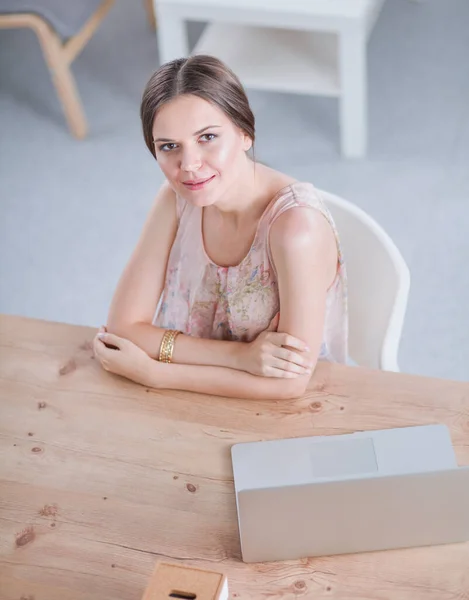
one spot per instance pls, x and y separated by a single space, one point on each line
191 160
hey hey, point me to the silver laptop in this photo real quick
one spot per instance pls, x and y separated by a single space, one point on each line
338 494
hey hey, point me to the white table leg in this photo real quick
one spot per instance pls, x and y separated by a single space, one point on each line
353 101
171 34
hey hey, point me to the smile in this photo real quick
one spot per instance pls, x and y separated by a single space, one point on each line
197 185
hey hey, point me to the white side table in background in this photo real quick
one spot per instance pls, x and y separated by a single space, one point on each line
316 47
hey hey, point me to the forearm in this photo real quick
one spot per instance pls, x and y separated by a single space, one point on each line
188 350
220 381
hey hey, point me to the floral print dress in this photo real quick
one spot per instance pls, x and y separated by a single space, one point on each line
205 300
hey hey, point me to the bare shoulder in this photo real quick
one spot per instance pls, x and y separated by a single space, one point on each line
165 204
163 213
166 194
302 238
305 228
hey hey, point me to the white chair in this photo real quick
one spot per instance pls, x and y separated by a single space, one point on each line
378 286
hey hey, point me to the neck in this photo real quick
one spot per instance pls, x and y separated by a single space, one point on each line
241 198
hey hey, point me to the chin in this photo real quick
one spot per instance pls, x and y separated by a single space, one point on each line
200 200
203 197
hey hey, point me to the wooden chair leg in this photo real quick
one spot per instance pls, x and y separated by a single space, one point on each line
75 45
151 13
63 80
58 57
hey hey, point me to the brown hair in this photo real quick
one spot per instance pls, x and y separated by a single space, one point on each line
204 76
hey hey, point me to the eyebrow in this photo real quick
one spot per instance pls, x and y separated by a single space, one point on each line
198 132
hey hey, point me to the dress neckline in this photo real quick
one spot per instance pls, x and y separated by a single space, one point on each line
276 196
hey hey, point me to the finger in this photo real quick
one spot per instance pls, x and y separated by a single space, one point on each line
285 339
101 352
99 348
105 356
293 357
290 367
281 373
96 344
111 341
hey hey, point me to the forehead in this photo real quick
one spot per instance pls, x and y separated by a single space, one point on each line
184 115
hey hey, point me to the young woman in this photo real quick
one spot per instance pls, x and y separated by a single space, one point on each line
236 286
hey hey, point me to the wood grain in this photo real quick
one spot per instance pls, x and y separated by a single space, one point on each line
100 477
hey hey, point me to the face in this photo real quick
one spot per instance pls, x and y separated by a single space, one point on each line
200 151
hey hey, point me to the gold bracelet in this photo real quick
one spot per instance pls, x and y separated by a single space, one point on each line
167 345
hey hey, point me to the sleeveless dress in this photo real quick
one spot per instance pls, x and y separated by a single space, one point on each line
205 300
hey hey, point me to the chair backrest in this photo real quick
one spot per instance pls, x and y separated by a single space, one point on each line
378 285
67 18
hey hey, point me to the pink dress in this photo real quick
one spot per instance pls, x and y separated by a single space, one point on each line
205 300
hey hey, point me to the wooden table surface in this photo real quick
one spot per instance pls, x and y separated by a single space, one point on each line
100 478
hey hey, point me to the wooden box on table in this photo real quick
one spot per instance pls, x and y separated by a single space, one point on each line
182 582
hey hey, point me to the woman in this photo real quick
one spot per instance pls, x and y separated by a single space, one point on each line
236 286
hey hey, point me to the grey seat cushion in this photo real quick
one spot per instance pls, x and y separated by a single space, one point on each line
67 17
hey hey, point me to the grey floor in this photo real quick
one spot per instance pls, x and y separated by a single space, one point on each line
72 211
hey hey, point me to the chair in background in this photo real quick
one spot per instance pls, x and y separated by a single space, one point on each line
378 286
63 29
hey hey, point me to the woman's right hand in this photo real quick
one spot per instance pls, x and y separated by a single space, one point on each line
274 354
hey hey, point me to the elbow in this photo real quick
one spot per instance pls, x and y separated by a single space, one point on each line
292 389
296 388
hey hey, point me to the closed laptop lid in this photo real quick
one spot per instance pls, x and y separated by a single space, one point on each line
354 515
296 461
369 490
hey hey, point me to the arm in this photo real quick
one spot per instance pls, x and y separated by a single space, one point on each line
304 250
141 284
139 289
305 256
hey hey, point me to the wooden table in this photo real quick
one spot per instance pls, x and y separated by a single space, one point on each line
101 477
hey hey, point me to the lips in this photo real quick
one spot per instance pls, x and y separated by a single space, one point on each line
197 184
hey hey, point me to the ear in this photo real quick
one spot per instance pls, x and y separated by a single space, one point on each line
247 142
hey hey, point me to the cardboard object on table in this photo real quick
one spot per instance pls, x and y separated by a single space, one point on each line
182 582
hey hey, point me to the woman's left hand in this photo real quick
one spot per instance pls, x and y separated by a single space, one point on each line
125 358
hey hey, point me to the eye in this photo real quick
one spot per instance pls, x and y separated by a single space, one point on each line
208 137
167 147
